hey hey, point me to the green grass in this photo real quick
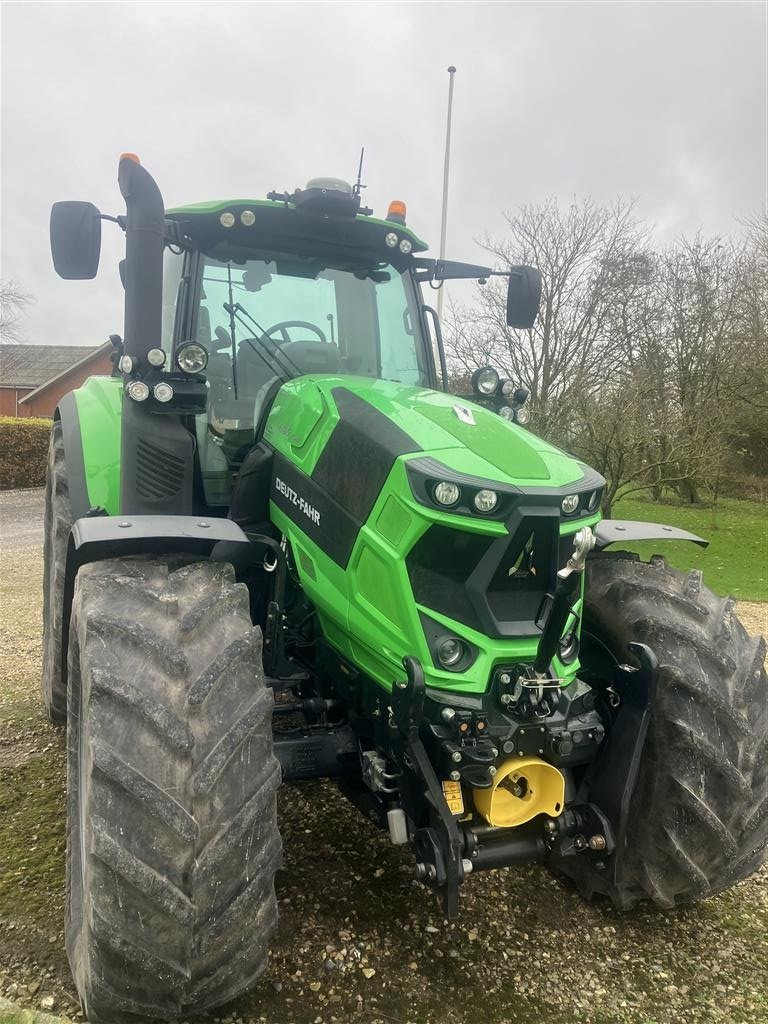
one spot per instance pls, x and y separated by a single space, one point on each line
736 561
32 837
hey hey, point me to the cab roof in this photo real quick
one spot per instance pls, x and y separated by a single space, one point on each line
280 225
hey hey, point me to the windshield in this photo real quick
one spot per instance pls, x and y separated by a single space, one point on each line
264 322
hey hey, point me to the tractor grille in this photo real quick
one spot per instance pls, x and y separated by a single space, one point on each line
494 584
158 473
439 566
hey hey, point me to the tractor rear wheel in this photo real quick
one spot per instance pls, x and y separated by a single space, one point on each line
58 523
172 830
699 815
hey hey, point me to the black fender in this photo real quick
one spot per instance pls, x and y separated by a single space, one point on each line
626 531
98 537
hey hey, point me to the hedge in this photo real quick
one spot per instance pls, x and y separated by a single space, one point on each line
23 451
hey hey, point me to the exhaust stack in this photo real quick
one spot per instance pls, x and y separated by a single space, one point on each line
144 243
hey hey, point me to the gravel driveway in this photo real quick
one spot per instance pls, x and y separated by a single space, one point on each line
359 939
21 519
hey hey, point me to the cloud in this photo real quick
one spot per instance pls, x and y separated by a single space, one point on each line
665 102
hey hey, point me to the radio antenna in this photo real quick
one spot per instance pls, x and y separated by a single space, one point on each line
358 186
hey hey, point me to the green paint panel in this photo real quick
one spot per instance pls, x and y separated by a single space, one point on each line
368 611
99 407
493 448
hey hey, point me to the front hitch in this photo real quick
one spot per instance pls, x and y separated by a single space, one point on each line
438 845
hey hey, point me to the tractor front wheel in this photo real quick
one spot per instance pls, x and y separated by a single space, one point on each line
172 840
699 815
58 523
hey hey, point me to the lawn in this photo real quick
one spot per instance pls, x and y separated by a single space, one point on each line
736 561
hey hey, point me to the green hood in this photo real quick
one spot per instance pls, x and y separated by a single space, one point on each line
489 447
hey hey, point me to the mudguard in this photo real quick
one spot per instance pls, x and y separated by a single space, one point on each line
97 537
67 414
611 531
90 419
122 457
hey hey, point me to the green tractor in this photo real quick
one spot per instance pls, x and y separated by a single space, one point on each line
277 548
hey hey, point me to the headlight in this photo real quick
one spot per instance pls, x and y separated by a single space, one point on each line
137 390
485 380
522 415
391 239
486 501
594 501
227 219
163 391
405 246
446 493
570 503
192 358
449 651
156 357
248 218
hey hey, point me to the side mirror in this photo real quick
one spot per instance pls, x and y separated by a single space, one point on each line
523 297
75 240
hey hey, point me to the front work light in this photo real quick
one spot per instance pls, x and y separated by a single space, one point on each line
485 380
405 246
522 415
137 390
391 239
248 218
570 503
227 219
163 392
446 493
156 357
192 358
126 364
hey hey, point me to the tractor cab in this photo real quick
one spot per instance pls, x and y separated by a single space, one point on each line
270 290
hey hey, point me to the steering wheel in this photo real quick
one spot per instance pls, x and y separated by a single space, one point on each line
285 325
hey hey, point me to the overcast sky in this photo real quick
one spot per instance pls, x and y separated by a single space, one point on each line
665 102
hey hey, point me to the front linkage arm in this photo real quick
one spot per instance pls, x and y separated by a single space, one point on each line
438 845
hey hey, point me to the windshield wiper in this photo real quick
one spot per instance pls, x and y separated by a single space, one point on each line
283 365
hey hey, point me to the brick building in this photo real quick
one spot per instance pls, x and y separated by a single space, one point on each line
33 378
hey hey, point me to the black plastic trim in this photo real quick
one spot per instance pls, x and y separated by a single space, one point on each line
435 632
169 439
626 531
425 471
310 507
362 437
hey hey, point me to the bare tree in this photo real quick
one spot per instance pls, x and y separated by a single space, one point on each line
13 304
651 365
581 252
